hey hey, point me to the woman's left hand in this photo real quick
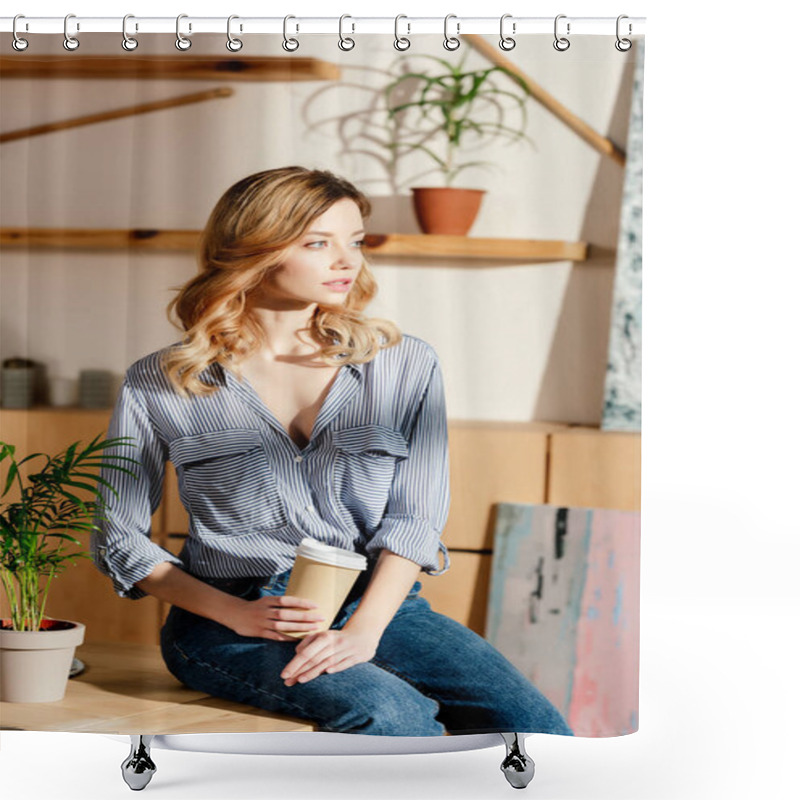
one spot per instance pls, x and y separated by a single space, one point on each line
329 651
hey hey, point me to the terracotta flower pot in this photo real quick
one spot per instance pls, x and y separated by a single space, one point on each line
446 210
34 665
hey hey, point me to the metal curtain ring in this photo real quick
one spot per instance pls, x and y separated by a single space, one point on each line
181 42
18 42
234 45
451 42
401 42
561 43
623 45
506 42
290 45
345 42
70 42
128 42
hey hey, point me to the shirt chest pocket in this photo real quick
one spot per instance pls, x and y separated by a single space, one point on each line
365 461
227 483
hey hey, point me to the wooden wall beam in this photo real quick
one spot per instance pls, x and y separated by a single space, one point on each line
599 142
118 113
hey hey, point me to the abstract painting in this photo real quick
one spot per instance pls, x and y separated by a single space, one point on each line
622 407
564 609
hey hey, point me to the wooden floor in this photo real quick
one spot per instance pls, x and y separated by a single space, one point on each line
127 689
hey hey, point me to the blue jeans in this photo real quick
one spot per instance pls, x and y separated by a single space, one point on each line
429 675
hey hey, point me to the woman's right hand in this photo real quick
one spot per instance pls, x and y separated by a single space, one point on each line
268 617
271 616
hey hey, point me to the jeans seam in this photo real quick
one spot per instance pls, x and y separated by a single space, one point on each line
238 679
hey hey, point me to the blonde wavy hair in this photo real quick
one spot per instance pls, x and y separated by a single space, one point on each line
243 241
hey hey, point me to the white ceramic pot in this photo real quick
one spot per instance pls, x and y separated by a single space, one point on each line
34 665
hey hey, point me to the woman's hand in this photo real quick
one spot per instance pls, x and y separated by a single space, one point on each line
329 651
357 641
272 616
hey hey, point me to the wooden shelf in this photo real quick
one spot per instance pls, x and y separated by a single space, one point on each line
205 68
434 245
99 239
418 246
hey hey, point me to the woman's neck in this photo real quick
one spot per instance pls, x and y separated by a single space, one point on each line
285 332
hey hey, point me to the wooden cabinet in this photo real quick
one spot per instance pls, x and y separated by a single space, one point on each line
522 463
462 592
48 430
595 469
490 462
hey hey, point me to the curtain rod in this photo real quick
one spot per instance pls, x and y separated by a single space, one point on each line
406 26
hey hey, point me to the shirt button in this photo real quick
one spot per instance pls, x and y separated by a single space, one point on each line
298 459
309 508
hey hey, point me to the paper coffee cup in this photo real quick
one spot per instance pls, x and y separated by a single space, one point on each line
324 575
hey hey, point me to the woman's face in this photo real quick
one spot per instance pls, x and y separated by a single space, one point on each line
322 265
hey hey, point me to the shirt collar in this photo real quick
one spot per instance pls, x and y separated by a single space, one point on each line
216 375
358 368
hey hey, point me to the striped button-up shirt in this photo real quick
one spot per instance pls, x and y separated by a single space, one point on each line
374 474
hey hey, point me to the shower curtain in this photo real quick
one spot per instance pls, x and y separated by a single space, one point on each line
111 163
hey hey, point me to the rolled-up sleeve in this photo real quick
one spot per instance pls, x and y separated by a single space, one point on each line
122 547
419 499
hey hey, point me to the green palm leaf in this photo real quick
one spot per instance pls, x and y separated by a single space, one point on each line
37 529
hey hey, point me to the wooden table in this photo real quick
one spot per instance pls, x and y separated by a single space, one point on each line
125 689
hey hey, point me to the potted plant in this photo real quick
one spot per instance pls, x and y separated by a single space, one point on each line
36 530
442 114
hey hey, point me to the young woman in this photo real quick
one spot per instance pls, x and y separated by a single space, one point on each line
288 414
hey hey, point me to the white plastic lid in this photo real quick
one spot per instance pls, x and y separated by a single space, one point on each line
328 554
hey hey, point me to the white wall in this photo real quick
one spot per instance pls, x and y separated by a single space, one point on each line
518 342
